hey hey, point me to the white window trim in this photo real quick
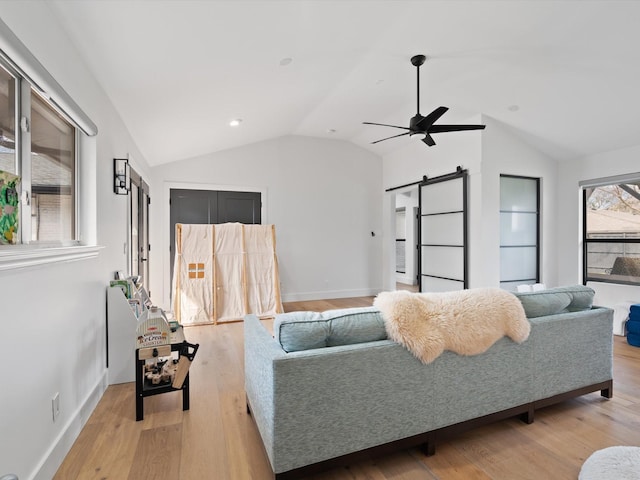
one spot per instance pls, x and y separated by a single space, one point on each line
616 179
18 257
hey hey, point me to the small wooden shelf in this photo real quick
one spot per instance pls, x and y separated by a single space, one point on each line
144 388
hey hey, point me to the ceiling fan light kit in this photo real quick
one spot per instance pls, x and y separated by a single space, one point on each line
420 126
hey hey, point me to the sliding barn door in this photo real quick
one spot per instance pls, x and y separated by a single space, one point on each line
443 233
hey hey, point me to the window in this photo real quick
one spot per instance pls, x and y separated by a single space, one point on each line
42 152
611 232
53 166
519 231
8 158
44 136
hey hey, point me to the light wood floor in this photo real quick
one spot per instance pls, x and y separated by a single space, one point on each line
217 440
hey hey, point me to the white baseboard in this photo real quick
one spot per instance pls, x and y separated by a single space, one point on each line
328 294
406 279
56 454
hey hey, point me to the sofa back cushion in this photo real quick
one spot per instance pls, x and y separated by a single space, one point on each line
308 330
556 300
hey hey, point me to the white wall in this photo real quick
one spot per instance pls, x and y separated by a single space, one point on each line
486 155
502 153
323 196
53 316
569 238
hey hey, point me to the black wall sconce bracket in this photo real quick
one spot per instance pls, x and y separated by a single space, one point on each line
121 176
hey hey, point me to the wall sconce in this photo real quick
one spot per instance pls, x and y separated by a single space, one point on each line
121 176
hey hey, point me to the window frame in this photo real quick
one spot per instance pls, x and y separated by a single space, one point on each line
24 92
75 221
620 180
538 224
29 73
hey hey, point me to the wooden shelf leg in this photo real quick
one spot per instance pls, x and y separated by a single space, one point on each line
139 387
139 407
185 394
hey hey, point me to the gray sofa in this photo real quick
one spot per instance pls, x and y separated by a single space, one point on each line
327 390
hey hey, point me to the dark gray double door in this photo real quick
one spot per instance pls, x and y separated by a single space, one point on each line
211 207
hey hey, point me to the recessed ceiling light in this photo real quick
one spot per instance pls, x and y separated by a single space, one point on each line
286 61
235 122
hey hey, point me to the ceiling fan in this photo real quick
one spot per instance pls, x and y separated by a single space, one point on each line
419 125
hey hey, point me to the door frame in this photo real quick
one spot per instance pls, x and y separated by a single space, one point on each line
166 257
142 204
389 237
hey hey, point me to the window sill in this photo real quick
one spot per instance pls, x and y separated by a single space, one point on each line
16 257
614 279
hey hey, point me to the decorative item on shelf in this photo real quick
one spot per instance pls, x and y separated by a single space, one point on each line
9 208
161 371
154 331
137 280
134 303
121 176
125 285
187 354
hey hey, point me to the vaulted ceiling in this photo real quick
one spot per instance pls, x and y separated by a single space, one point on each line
564 76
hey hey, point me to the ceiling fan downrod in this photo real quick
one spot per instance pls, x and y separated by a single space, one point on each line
417 61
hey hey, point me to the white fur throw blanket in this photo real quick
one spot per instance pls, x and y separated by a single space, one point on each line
467 322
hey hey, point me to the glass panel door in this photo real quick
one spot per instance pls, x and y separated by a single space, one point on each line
443 233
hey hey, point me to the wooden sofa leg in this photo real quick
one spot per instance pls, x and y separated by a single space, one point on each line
607 392
528 416
429 448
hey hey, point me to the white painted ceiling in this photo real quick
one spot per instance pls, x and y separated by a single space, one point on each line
179 70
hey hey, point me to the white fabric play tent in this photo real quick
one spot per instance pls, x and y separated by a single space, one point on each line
223 272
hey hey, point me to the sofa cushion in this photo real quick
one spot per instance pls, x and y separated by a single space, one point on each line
556 300
307 330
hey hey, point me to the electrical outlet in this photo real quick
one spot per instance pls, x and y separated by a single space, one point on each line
55 406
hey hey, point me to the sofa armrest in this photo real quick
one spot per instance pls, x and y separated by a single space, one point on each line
571 350
260 351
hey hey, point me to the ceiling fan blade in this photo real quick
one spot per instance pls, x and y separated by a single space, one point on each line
454 128
429 120
385 125
428 139
383 139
